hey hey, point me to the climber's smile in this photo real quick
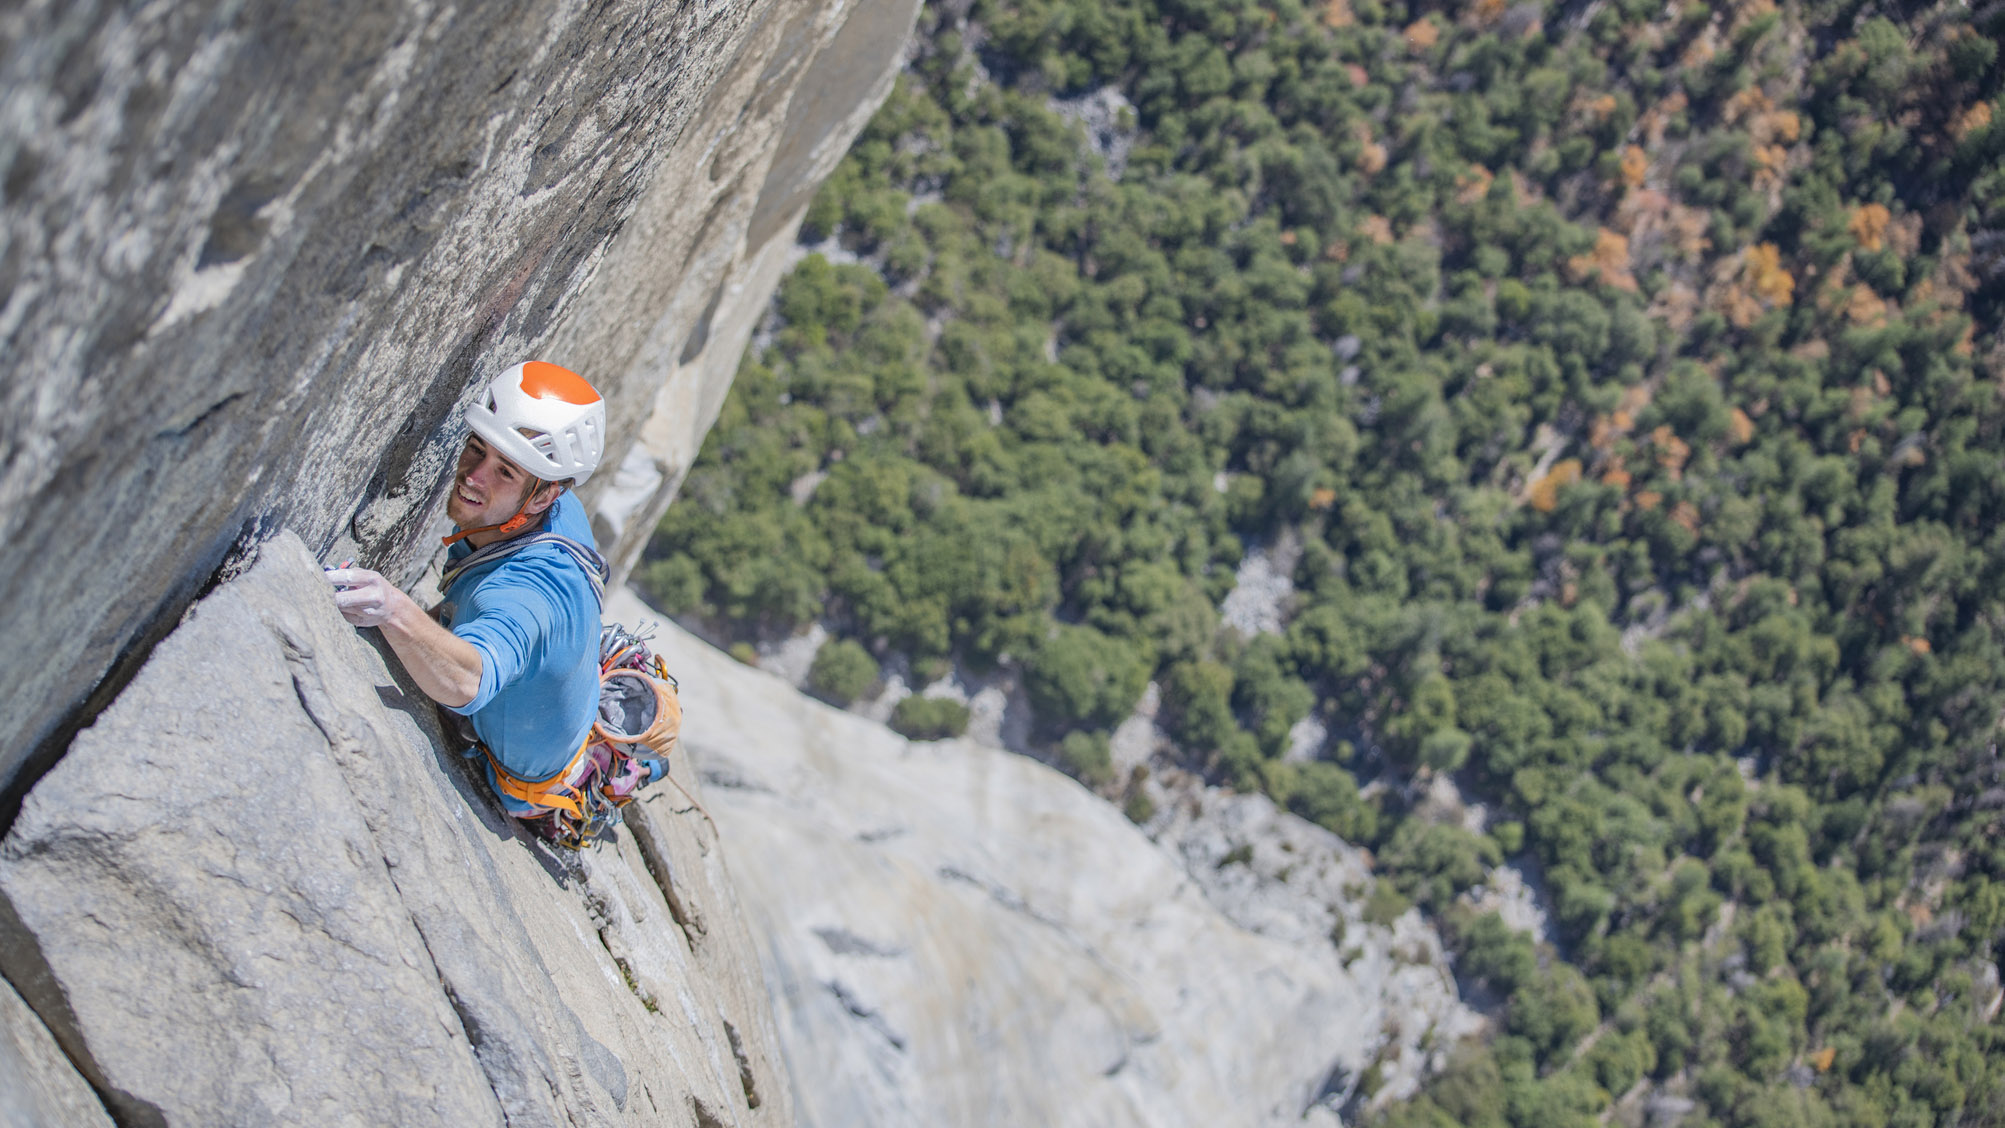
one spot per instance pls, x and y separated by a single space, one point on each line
487 488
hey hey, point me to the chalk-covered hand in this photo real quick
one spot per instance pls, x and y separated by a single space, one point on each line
364 598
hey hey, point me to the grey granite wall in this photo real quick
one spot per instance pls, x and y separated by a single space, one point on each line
285 901
254 255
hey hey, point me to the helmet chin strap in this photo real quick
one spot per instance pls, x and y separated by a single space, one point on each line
513 525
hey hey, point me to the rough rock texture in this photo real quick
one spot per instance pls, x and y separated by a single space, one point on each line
39 1088
1286 878
253 255
956 935
256 891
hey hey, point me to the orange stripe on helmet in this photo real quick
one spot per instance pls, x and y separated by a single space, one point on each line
549 381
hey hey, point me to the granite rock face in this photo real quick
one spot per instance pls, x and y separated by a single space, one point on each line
39 1088
956 935
257 891
254 255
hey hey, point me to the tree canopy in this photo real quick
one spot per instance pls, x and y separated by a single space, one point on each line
1630 377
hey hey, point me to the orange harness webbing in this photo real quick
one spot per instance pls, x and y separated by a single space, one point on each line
552 792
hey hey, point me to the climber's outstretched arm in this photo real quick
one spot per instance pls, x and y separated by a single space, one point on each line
446 666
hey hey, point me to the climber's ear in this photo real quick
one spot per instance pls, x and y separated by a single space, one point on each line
544 495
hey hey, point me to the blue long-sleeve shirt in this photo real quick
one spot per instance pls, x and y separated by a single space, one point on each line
534 620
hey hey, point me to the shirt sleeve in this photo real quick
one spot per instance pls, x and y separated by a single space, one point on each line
516 618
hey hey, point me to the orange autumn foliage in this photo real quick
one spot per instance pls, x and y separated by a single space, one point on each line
1686 514
1765 274
1422 34
1523 192
1337 13
1473 185
1635 166
1672 451
1621 421
1821 1059
1701 49
1760 284
1608 261
1869 225
1658 118
1861 403
1741 426
1373 157
1971 120
1745 103
1544 493
1866 308
1770 162
1688 227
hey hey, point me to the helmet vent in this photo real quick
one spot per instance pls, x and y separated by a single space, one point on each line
541 440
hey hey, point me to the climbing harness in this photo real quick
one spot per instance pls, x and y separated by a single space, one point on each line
627 747
640 715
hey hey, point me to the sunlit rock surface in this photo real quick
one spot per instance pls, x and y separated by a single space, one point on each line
278 899
957 935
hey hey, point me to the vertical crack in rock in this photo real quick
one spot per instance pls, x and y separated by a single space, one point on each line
469 1023
745 1078
654 854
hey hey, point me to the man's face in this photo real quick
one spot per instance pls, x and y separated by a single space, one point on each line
487 488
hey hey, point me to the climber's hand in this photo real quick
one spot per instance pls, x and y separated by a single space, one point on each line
364 598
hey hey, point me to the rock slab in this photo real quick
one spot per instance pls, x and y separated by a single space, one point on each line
258 890
956 935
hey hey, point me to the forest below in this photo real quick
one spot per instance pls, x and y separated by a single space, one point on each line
1629 378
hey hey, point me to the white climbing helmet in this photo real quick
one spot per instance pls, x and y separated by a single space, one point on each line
544 418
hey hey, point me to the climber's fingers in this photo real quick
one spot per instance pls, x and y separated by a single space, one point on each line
363 597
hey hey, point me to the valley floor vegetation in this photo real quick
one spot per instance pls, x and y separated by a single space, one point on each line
1629 375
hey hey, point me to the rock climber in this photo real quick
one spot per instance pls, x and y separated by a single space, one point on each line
515 644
